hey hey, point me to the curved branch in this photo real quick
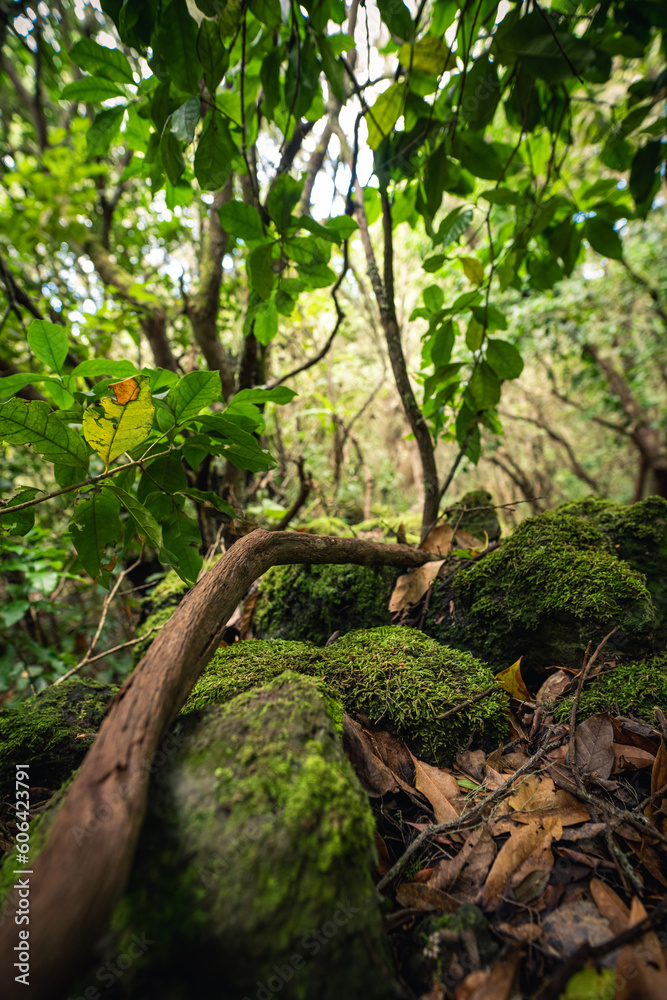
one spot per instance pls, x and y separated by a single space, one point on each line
81 873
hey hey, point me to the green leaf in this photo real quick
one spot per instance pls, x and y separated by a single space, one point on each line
267 11
214 154
281 394
260 270
343 225
184 119
266 322
502 196
434 298
171 153
101 366
175 40
103 131
101 60
49 343
116 425
484 387
504 358
12 612
163 474
21 522
182 540
192 393
603 237
434 262
453 226
645 164
90 88
283 197
397 17
11 384
32 422
443 344
241 221
238 445
212 53
146 524
385 112
481 94
474 334
333 67
94 525
207 498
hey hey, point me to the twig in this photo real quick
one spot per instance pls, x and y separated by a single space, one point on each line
470 701
469 819
91 481
103 617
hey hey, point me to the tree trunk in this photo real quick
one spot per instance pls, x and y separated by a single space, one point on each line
202 307
81 872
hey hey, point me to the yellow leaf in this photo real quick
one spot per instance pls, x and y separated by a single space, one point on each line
473 270
512 681
113 426
429 55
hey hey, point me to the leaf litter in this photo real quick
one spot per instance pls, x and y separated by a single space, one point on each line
538 870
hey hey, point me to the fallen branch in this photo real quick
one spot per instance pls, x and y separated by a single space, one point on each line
82 870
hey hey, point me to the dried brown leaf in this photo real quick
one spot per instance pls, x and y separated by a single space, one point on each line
523 842
641 971
416 896
610 905
592 745
439 540
411 587
439 787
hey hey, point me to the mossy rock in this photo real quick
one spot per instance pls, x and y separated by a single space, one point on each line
638 534
630 689
555 584
254 863
476 522
52 731
396 676
312 602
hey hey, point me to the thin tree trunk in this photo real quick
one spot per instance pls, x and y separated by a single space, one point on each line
202 307
81 872
384 295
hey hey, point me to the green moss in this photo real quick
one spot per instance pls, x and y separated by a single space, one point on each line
638 534
329 526
260 833
158 608
555 584
477 521
631 689
52 731
390 524
311 602
245 665
398 677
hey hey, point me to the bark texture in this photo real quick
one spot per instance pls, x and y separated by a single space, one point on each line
81 873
